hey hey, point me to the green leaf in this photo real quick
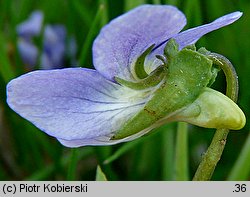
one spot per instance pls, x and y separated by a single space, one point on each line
241 169
5 69
82 11
45 173
72 165
168 139
122 150
92 33
171 2
130 4
100 176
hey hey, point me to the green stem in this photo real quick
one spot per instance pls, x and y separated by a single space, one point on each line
168 135
212 156
71 175
230 73
181 157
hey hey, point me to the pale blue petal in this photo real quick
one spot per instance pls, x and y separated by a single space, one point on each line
73 104
191 36
98 141
123 40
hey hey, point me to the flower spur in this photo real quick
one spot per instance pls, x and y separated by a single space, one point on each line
147 74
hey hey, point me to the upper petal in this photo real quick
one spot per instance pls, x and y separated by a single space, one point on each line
125 38
73 104
191 36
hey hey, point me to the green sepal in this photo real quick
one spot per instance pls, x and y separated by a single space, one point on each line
152 80
215 68
171 49
191 47
189 72
139 64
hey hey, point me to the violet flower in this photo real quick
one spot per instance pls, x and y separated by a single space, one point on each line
55 47
32 26
26 31
81 106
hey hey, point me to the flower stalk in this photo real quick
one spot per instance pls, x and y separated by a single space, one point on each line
212 156
181 160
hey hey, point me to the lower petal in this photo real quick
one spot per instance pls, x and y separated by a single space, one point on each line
73 104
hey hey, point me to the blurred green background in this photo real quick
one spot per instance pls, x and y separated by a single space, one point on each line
28 154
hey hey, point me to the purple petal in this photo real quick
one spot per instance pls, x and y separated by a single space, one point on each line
28 52
102 139
32 26
73 104
191 36
121 41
